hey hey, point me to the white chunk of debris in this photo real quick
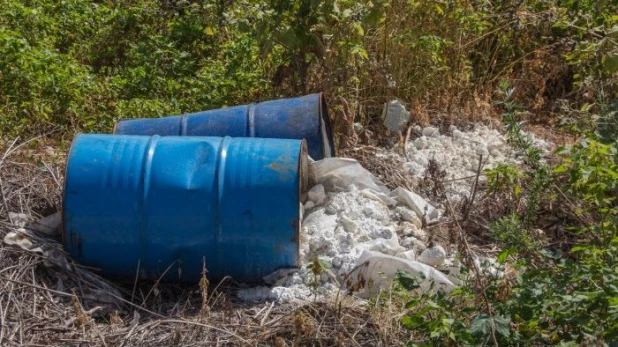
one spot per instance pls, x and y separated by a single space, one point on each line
433 256
317 195
408 215
431 132
309 205
395 116
414 201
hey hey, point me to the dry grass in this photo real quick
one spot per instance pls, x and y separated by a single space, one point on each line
45 304
389 171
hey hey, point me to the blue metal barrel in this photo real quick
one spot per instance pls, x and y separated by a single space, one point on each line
293 118
166 205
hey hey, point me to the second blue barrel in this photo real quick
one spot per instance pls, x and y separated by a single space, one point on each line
166 206
303 117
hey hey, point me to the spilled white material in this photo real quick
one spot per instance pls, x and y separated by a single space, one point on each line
358 232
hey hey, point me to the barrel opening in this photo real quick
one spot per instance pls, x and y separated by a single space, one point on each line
303 187
326 129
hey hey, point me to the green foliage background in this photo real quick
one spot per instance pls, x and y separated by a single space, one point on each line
80 65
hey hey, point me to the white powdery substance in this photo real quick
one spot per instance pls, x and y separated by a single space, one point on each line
348 224
458 155
336 234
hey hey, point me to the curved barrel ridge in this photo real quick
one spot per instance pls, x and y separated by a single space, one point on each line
293 118
169 204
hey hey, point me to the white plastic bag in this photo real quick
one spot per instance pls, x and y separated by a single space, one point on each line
375 271
336 174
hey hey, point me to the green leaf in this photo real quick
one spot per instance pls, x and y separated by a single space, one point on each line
505 254
612 173
375 16
209 31
412 322
517 190
412 303
502 325
579 249
407 281
560 169
359 29
480 325
456 292
610 64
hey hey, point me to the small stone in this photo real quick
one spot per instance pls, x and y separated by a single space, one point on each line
408 215
414 243
381 234
309 205
417 204
295 279
420 159
431 132
420 143
386 246
317 194
332 208
336 262
349 225
409 254
482 150
458 135
414 168
433 256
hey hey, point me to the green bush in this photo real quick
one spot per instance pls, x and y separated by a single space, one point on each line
80 65
571 297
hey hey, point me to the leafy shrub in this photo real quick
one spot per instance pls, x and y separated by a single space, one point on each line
569 297
80 65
